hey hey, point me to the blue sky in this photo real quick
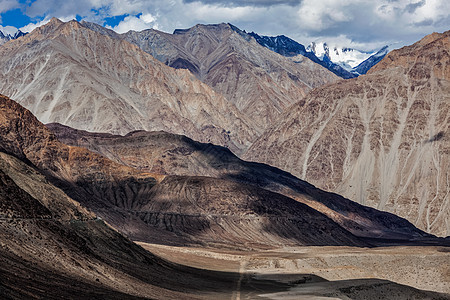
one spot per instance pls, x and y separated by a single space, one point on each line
362 24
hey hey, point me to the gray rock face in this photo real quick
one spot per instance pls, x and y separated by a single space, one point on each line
259 82
382 139
67 73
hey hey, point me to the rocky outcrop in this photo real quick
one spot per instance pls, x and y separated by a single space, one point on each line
259 82
381 139
67 73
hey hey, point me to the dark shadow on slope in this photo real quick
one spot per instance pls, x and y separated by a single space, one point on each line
220 211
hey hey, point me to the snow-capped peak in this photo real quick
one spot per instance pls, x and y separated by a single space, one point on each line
348 58
5 37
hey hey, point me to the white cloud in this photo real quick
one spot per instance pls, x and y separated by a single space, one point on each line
142 22
209 13
6 5
320 15
32 26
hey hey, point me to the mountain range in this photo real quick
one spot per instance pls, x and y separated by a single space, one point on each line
67 73
52 247
223 145
109 84
165 153
260 83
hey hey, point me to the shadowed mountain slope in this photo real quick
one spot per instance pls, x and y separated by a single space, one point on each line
382 139
166 153
165 209
259 82
67 73
51 248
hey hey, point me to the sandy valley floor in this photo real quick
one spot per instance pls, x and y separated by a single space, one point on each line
328 272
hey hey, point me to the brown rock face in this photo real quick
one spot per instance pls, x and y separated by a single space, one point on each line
259 82
67 73
167 153
382 140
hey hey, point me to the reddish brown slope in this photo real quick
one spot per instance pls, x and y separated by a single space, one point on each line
50 249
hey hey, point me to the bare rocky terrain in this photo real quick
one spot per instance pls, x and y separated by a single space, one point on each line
67 73
381 139
53 248
157 215
259 82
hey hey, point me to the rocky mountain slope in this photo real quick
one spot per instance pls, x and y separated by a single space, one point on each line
381 139
261 84
166 153
366 65
67 73
52 248
166 209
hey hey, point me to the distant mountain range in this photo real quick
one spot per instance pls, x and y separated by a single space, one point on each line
97 80
7 37
67 73
344 62
260 83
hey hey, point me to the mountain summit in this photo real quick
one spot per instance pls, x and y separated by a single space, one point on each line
354 61
344 62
